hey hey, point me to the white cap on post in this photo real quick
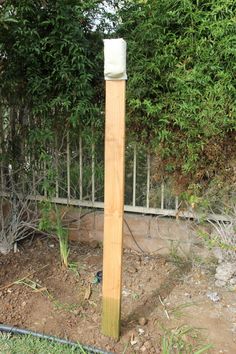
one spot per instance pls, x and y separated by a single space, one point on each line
115 59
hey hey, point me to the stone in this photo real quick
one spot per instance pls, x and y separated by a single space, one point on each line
147 344
126 292
232 281
94 244
141 331
76 312
225 271
143 349
220 283
217 252
142 321
132 270
133 341
213 296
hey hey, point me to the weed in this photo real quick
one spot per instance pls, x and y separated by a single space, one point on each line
73 266
135 296
63 306
50 224
183 339
38 288
177 311
63 238
33 285
179 260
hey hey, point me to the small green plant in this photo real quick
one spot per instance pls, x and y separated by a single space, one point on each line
73 267
177 256
63 238
29 283
222 231
182 340
64 306
52 224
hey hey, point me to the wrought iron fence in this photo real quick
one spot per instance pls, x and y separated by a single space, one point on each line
74 174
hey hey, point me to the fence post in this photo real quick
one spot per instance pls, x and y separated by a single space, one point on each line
93 172
148 181
68 164
80 169
115 76
134 174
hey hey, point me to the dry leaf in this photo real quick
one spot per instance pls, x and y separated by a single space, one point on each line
88 293
40 290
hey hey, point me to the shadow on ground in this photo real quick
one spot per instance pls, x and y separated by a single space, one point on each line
148 306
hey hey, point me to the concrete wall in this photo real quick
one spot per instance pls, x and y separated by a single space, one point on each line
152 234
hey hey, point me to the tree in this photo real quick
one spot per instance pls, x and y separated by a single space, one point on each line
181 87
50 71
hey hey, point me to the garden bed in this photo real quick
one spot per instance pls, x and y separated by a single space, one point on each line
163 299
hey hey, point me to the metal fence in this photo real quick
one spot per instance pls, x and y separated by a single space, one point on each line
77 177
73 174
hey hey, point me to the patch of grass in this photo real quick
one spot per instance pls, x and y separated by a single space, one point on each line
178 312
64 306
31 345
183 339
178 257
63 238
73 267
58 305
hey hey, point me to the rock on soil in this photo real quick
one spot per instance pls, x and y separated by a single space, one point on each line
224 272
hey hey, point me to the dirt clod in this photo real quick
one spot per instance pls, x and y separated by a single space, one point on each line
142 321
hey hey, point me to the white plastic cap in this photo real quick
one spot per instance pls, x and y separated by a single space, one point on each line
115 59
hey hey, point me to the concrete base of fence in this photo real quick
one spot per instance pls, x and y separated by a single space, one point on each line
151 234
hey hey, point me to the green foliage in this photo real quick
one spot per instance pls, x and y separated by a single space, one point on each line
181 78
51 222
213 241
181 87
30 344
180 340
45 223
62 235
50 58
50 75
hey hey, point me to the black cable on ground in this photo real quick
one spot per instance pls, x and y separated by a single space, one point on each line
15 330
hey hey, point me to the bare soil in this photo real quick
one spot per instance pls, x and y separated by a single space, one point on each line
158 294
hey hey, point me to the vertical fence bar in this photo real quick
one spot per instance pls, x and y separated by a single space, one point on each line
1 148
93 172
176 203
134 174
57 169
2 179
68 163
32 165
44 178
80 169
162 195
148 180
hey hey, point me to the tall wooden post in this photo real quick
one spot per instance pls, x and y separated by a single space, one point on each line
114 186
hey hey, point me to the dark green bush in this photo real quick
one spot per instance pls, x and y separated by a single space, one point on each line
182 85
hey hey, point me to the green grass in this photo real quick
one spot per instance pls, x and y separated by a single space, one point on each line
31 345
183 340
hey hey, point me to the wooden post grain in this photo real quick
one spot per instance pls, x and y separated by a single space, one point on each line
114 206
